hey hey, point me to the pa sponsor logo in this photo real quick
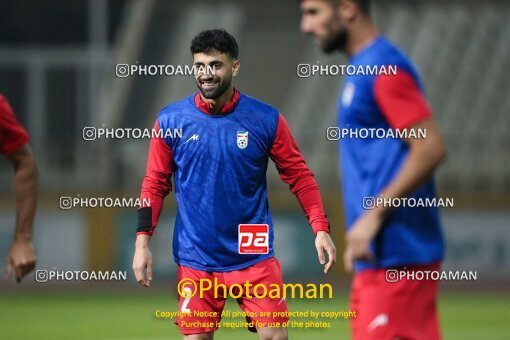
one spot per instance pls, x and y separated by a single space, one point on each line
253 239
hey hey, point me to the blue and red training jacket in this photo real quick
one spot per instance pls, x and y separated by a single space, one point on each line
219 169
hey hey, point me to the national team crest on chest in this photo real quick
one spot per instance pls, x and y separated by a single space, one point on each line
242 139
348 94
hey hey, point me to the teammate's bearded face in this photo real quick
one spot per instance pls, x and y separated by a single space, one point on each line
213 84
322 19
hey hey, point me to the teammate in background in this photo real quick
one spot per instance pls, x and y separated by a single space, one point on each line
14 146
219 167
383 238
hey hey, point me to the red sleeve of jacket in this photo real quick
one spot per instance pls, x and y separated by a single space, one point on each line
12 135
156 184
401 100
293 171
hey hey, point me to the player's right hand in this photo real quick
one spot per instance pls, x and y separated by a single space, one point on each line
143 260
21 259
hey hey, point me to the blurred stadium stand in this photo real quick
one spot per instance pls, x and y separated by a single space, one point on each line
460 47
61 78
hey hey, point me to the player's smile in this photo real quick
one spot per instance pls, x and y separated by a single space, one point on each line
209 84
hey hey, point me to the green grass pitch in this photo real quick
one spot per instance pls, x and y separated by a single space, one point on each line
131 316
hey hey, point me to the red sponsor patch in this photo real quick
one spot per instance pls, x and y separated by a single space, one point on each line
253 239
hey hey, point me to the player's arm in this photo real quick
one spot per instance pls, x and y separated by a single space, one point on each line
13 145
293 170
156 185
404 107
21 258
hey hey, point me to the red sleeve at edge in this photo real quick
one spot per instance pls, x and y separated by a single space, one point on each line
12 135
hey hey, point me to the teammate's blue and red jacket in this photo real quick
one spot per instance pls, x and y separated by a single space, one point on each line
410 235
12 135
219 168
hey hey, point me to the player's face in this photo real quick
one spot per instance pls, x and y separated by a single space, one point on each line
214 84
321 18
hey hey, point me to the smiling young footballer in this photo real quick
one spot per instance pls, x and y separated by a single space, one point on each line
219 168
383 238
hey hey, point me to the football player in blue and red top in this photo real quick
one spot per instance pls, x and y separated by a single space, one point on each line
219 171
383 239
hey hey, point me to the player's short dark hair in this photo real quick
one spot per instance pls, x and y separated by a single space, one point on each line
215 40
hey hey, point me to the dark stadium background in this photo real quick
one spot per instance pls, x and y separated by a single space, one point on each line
57 67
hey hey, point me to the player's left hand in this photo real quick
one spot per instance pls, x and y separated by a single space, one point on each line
323 242
21 259
359 238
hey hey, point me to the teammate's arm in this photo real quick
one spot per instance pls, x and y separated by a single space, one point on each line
21 257
424 157
293 170
156 185
13 145
404 107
